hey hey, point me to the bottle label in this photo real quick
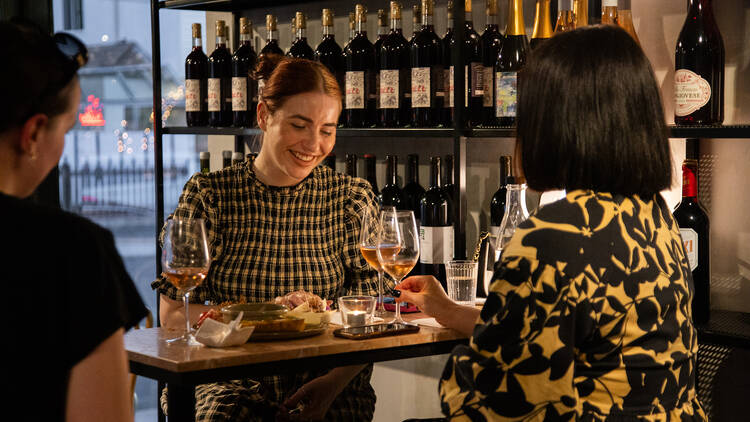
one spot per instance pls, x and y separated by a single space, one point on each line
691 92
440 77
505 89
377 90
192 95
689 185
690 240
355 89
214 94
452 86
239 93
435 244
477 80
487 90
389 89
420 87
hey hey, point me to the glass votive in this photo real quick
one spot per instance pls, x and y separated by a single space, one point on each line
356 311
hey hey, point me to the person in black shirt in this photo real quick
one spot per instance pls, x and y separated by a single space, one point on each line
68 298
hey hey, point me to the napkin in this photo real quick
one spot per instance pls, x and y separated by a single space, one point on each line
427 322
213 333
336 319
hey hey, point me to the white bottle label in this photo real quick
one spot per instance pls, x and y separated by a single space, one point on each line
192 95
214 94
420 87
389 89
435 244
239 93
477 80
355 89
487 83
690 240
691 92
452 86
506 94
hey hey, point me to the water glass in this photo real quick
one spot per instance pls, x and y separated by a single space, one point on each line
462 281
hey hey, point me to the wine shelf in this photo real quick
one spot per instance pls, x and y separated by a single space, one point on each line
725 132
223 5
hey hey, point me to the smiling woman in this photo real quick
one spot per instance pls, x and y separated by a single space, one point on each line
276 224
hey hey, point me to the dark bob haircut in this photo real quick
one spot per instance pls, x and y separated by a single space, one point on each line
590 116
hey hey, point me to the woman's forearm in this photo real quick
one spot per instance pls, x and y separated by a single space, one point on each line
342 375
459 317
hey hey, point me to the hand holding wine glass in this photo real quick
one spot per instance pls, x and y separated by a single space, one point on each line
368 246
185 262
398 246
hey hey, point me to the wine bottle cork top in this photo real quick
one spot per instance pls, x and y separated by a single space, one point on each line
395 10
196 30
271 22
416 12
360 13
221 29
515 25
382 19
491 8
245 26
427 7
300 20
327 17
467 7
449 9
351 20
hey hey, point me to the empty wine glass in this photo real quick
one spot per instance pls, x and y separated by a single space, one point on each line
368 246
398 246
185 262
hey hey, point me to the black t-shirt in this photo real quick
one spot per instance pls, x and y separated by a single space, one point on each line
66 291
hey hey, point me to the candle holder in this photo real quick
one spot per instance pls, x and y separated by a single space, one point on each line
356 311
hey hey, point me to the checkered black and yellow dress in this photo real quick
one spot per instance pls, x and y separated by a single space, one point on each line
268 241
588 319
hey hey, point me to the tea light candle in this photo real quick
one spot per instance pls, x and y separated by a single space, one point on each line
356 318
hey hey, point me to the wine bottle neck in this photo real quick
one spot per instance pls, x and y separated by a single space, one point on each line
689 183
396 25
273 35
391 171
221 42
491 21
515 200
427 21
515 18
301 33
327 31
435 181
412 174
245 38
197 43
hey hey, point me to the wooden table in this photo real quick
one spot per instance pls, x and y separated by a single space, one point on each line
183 367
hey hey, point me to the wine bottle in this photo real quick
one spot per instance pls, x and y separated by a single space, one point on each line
566 21
370 172
220 80
693 221
436 230
226 158
328 51
237 158
413 191
510 60
416 20
300 48
271 47
359 61
426 72
351 165
205 161
473 70
382 33
196 63
394 74
449 187
542 24
330 161
609 12
581 13
352 27
699 65
625 19
497 204
244 89
515 214
491 41
391 195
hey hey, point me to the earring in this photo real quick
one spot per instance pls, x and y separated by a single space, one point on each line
32 153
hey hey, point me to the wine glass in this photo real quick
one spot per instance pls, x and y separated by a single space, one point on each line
398 246
368 246
185 261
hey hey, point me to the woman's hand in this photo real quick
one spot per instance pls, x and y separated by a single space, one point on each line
427 293
312 401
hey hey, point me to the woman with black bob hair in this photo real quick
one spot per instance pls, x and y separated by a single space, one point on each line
588 315
67 292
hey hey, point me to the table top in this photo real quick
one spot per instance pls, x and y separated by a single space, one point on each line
151 356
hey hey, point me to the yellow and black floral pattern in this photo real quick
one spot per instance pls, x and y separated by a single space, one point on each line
588 319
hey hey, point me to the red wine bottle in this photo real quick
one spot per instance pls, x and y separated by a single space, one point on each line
244 88
693 221
351 165
196 63
359 61
382 33
220 80
490 43
497 204
328 51
699 68
300 48
391 194
510 60
395 86
272 38
473 70
226 158
436 230
413 191
370 172
426 73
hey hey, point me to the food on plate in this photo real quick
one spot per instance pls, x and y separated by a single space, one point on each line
310 317
297 298
211 313
275 325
